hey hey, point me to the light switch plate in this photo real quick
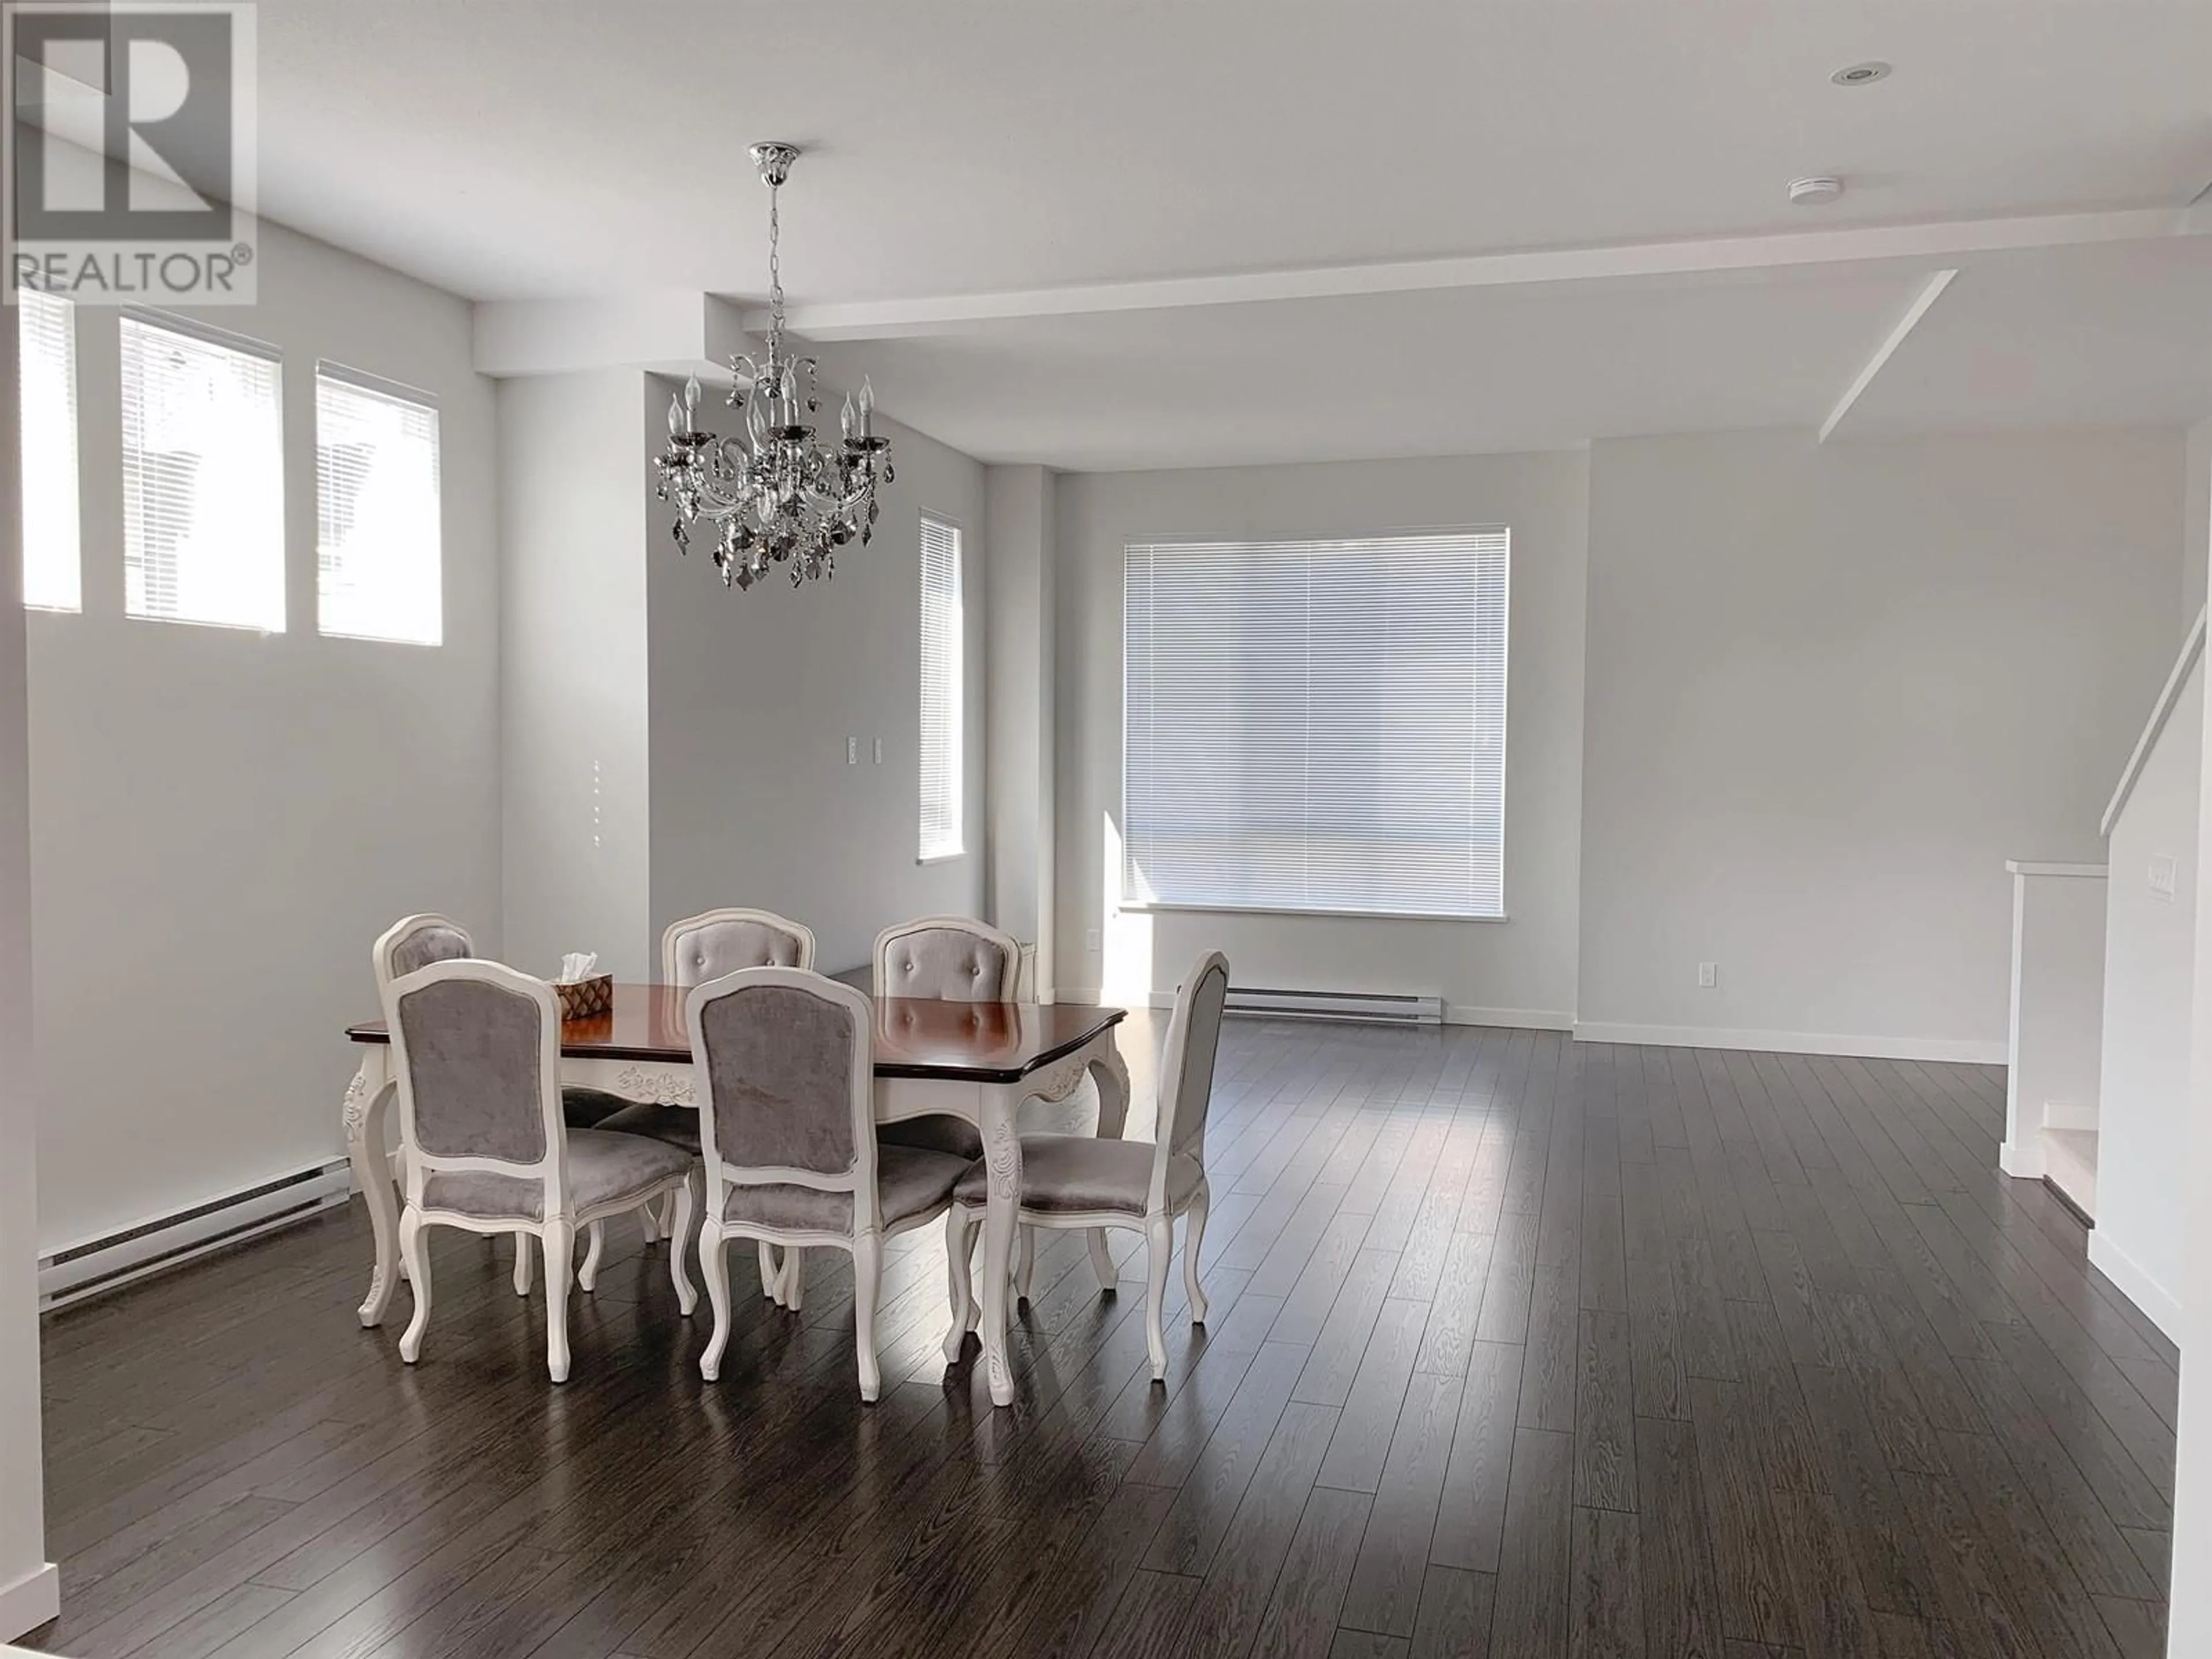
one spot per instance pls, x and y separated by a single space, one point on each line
2164 872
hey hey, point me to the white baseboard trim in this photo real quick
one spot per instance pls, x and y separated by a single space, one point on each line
31 1601
1460 1013
2023 1163
2138 1287
2070 1115
1512 1019
1965 1051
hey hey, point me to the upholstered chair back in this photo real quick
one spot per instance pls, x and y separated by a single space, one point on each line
416 941
706 946
1186 1068
789 1073
476 1053
947 959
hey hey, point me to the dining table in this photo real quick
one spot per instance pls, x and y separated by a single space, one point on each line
978 1061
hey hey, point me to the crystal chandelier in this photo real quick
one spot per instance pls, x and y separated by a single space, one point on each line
779 495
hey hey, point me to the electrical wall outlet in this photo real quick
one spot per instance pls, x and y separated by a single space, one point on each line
2165 872
852 752
879 751
1709 975
1090 940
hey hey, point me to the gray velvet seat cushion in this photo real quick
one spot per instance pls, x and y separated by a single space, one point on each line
678 1126
602 1168
1076 1174
937 1133
909 1182
587 1108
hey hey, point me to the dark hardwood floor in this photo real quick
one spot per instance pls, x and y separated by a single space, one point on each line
1519 1347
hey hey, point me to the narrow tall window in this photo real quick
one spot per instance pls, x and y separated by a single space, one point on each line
378 563
202 477
1317 726
942 632
47 381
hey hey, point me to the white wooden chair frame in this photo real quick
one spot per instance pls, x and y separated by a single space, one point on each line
380 955
771 1270
865 1242
1157 1224
557 1229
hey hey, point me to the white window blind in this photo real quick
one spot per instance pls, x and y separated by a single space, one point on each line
942 640
203 479
47 381
1317 726
379 566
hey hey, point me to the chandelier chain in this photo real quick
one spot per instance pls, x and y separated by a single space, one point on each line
775 267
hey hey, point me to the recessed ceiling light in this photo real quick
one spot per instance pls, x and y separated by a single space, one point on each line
1816 190
1861 75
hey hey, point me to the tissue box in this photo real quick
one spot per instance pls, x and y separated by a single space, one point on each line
586 999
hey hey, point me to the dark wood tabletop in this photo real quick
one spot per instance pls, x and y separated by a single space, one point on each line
964 1041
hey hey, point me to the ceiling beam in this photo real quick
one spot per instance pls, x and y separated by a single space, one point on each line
1929 292
666 332
954 313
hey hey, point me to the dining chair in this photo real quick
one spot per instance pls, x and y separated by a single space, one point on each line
936 959
692 952
1082 1181
476 1050
945 959
418 940
787 1060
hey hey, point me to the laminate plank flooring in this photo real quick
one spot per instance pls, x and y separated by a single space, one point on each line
1518 1346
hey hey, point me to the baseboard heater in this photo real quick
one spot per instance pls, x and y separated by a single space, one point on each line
1358 1006
108 1263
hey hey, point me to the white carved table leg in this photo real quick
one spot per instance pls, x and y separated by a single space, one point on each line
1111 1073
367 1097
1002 1149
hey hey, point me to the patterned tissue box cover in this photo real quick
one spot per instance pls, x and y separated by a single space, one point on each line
587 999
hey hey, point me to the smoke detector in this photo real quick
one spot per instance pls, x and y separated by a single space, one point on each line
1861 75
1815 190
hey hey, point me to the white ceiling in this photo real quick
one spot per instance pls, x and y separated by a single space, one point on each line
995 193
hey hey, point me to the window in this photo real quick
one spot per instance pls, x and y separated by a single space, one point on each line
45 328
202 477
378 565
942 632
1317 726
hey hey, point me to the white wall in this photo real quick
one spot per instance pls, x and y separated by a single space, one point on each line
1831 689
2189 1618
1519 970
2150 946
2196 520
753 695
222 822
28 1590
572 550
1020 516
2056 1031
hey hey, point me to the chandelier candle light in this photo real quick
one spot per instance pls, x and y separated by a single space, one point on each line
779 495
